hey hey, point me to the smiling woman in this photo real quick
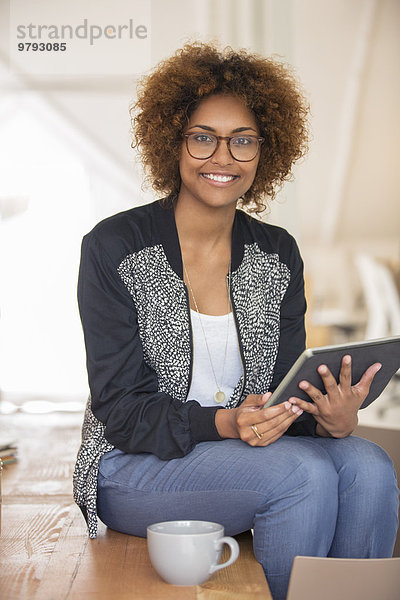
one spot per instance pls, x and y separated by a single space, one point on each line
193 312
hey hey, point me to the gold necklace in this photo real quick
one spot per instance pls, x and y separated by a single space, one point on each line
219 395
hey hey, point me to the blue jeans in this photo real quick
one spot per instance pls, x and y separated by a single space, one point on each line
302 495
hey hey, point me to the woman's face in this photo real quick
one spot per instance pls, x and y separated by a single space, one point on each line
219 180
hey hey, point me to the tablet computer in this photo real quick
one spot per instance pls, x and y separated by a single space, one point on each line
363 354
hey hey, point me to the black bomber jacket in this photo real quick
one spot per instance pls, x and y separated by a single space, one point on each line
135 314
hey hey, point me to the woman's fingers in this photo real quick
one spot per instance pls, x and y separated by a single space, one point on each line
305 405
290 412
337 410
250 415
268 424
344 389
257 400
345 373
314 393
276 428
328 379
366 380
272 437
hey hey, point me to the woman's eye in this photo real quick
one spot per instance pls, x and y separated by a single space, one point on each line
242 141
202 138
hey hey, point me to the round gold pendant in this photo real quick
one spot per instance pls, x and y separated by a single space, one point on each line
219 396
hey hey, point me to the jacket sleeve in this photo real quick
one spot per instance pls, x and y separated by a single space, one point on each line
124 389
292 339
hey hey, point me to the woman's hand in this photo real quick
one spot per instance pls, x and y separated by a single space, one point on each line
269 423
336 411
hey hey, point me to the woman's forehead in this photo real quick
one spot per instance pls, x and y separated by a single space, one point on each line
222 111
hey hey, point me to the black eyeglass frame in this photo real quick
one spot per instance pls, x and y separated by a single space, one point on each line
227 139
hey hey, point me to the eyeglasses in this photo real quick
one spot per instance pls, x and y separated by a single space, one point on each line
243 148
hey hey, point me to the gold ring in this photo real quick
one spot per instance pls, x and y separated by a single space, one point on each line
258 434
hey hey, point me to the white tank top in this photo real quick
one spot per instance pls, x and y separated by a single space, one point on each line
203 386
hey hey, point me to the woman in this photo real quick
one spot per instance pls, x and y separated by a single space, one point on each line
192 314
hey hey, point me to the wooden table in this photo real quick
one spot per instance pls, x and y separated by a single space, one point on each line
45 553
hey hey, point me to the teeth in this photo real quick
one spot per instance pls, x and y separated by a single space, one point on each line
221 178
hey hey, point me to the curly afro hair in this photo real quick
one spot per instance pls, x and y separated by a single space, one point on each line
168 96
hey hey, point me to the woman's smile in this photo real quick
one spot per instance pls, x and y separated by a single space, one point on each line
220 179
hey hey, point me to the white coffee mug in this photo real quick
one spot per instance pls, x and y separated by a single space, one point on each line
188 552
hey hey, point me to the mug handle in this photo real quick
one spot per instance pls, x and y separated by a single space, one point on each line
233 545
